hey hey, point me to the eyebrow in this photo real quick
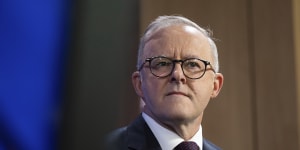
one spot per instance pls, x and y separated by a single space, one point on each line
190 56
184 57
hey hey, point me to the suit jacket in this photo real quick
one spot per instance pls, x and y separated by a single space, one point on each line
138 136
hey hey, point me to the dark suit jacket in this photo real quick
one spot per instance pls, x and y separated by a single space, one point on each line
138 136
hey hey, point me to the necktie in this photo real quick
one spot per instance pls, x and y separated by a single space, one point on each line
187 145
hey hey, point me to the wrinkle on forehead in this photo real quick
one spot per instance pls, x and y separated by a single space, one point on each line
176 29
175 33
178 37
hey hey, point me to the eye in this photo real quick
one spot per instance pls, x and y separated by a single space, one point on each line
161 63
192 64
158 63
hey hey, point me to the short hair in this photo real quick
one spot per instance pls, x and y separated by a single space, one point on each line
166 21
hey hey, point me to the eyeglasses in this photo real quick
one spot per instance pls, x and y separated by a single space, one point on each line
192 68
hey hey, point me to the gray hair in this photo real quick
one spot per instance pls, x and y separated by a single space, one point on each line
166 21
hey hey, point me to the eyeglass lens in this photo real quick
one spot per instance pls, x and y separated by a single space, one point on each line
192 68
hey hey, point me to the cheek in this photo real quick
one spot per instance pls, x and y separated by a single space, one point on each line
153 96
152 89
202 91
201 98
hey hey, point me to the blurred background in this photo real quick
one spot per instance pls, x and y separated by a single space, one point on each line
65 70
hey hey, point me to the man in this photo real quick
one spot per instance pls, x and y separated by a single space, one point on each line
177 75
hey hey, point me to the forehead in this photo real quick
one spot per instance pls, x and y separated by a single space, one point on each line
178 41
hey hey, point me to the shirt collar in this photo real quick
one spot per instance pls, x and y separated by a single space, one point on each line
167 138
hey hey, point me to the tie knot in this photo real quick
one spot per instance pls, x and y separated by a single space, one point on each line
187 145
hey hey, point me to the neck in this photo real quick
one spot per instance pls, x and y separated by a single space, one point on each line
185 128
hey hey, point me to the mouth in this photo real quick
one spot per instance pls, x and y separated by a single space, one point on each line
177 93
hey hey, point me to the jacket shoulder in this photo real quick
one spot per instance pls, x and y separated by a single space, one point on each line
115 139
136 135
207 145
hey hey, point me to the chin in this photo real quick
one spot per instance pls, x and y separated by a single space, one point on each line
179 116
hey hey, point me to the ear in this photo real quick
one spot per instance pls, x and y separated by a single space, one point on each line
137 83
218 83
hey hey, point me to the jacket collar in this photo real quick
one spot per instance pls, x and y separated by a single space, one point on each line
140 136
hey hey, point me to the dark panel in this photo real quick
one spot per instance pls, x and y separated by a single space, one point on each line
100 96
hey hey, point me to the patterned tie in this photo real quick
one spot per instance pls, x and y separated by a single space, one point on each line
187 145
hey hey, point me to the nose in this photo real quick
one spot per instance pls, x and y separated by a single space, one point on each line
177 74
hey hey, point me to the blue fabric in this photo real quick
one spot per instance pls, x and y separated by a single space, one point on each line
33 46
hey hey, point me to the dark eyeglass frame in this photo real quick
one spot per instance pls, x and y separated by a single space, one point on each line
174 61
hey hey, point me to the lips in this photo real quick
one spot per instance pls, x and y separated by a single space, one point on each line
177 93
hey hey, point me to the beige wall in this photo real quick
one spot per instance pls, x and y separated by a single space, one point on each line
257 108
276 102
296 14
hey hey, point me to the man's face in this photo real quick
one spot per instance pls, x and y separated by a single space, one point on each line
176 97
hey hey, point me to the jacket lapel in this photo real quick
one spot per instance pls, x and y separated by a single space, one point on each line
140 136
207 145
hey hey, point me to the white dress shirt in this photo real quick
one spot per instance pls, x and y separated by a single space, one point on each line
167 139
